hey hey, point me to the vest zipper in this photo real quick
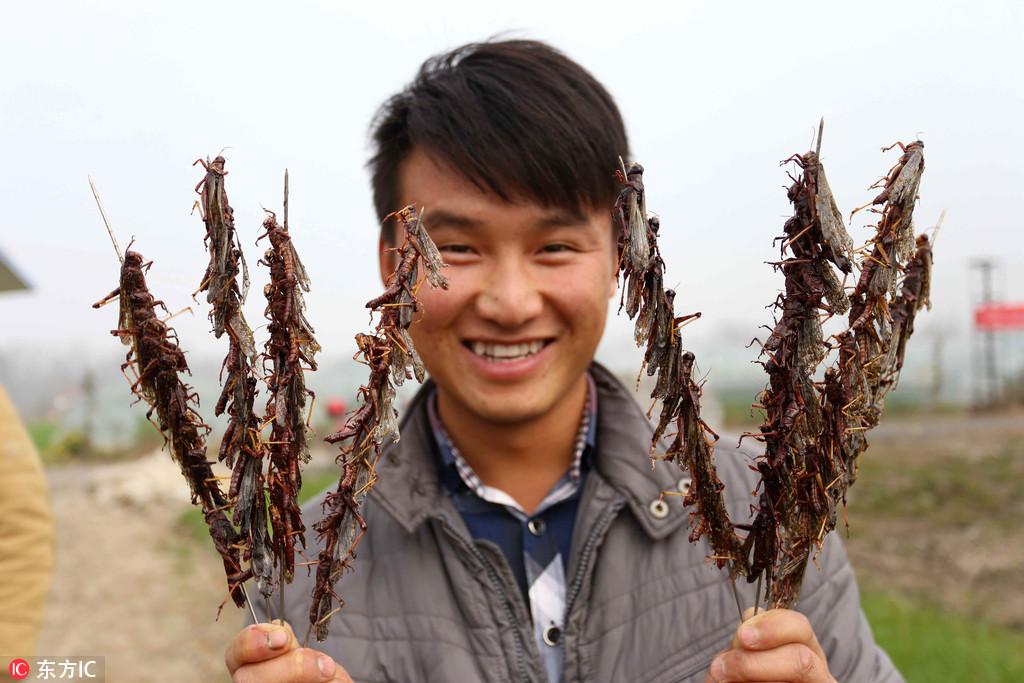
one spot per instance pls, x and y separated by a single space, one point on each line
600 527
602 524
492 574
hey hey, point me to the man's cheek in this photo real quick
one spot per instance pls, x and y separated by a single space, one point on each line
434 311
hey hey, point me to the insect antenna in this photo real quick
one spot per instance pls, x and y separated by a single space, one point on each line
935 228
175 315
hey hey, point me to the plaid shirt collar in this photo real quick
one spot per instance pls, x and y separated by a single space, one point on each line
457 473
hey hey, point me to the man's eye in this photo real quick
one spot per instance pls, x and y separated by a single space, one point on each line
556 248
455 248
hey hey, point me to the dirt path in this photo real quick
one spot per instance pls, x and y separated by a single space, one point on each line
152 613
936 512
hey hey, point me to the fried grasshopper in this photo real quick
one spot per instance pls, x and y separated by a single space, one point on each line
238 376
158 360
289 352
813 431
391 358
657 330
797 479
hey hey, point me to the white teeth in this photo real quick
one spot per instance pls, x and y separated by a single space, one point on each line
503 352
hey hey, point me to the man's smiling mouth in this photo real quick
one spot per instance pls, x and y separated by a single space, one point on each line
500 353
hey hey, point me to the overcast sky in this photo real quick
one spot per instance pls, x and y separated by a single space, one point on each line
713 94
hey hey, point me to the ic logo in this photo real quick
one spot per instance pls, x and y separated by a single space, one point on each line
19 669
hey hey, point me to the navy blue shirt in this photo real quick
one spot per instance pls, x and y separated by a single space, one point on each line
536 545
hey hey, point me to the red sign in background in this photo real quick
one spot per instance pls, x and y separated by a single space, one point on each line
999 317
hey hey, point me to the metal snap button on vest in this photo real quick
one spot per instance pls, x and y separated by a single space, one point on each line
552 635
536 526
658 508
684 484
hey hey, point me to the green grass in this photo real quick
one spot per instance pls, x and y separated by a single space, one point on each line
736 408
930 645
191 519
949 491
737 412
42 433
59 444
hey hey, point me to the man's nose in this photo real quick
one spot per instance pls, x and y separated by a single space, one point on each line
510 297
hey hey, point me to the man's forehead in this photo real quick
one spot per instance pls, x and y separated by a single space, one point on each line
537 217
453 197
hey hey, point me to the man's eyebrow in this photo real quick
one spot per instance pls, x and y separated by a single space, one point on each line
559 218
556 218
441 217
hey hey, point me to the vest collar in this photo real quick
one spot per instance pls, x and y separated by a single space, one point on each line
410 491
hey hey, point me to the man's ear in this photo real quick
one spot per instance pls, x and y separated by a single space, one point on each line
386 258
614 284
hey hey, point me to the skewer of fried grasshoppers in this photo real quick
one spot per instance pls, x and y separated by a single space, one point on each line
155 350
392 359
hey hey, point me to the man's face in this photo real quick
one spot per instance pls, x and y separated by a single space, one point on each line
527 301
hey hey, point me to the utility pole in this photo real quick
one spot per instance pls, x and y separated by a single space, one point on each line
988 346
89 401
938 379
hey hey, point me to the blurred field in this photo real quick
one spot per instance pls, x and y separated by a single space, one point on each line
932 644
934 536
937 541
191 519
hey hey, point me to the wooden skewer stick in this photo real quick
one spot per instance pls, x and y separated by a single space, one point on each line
103 214
286 200
248 602
120 257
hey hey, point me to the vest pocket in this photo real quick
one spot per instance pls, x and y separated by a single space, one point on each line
681 675
687 667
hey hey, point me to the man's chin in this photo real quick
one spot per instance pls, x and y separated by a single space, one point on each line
512 415
508 409
504 405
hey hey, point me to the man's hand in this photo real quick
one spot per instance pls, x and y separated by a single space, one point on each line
776 646
270 653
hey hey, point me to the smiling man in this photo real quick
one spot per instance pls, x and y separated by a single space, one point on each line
517 532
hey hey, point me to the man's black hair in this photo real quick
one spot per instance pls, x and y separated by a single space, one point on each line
516 117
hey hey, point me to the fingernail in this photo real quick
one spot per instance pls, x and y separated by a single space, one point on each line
326 665
277 639
718 669
749 635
